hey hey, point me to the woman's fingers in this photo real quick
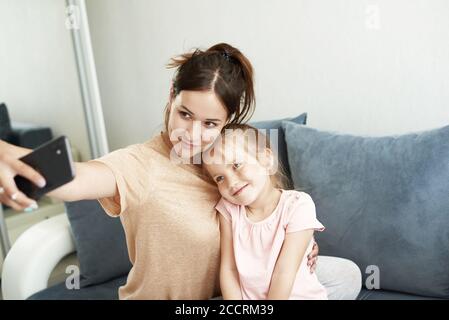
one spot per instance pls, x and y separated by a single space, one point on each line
313 268
24 170
13 197
312 264
11 203
9 193
314 252
17 200
23 201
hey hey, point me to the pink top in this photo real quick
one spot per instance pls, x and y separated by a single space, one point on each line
257 245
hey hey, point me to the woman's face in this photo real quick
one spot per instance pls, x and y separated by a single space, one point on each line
195 121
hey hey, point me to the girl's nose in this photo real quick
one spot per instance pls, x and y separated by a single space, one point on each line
233 183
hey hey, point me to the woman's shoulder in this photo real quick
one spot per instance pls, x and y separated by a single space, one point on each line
134 156
155 143
151 150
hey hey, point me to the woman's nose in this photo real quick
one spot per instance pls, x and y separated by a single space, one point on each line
194 131
209 136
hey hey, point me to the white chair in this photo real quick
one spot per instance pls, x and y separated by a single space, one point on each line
34 255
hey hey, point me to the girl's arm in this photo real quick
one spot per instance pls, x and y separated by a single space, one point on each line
287 264
229 277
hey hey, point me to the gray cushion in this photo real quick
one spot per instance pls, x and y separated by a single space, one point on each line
103 291
384 201
366 294
282 147
100 242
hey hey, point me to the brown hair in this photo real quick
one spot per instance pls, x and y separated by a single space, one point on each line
279 179
222 69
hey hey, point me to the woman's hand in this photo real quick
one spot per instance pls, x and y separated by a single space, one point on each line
10 166
312 257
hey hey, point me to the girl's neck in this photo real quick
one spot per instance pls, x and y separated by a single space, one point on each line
266 202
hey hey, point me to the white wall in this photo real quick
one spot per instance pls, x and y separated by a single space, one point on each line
362 67
38 77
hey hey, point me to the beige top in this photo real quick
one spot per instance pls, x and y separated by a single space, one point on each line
171 226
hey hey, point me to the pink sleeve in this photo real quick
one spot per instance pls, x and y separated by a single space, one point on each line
302 214
224 209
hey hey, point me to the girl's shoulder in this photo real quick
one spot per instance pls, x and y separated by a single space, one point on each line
294 197
294 201
300 212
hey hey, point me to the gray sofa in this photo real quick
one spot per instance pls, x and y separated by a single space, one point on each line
102 254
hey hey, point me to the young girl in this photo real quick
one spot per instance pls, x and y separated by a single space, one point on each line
265 230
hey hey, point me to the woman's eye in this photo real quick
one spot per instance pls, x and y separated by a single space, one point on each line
237 165
185 115
210 124
219 179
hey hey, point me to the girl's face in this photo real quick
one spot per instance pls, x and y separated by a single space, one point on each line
195 121
241 176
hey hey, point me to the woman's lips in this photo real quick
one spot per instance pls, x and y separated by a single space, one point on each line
240 190
189 144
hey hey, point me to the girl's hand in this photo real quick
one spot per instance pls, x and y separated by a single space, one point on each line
10 166
288 262
313 257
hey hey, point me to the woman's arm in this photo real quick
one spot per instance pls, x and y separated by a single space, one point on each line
229 277
287 264
92 180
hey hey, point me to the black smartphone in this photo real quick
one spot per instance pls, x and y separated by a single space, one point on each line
53 160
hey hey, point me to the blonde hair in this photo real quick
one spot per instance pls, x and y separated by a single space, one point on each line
279 179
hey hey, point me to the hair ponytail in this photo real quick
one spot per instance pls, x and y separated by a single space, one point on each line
223 69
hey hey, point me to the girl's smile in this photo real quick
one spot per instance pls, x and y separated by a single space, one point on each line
240 190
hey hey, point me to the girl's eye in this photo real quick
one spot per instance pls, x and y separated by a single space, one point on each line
219 179
237 165
210 124
185 115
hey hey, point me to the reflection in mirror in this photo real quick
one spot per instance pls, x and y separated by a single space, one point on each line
47 89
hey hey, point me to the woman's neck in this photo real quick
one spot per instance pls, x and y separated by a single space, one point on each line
266 202
166 139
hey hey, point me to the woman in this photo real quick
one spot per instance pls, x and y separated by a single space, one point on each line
166 206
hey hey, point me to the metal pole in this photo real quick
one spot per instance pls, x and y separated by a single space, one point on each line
77 22
4 239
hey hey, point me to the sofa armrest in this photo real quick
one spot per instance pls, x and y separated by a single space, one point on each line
34 255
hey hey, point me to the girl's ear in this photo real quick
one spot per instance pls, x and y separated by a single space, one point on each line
267 159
